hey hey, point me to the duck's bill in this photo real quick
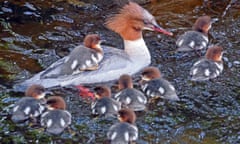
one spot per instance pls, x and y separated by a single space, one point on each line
161 30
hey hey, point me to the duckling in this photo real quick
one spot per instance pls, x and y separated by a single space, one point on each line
197 39
208 67
82 58
57 118
129 96
29 106
154 86
104 105
125 131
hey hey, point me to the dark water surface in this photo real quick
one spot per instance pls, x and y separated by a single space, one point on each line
37 33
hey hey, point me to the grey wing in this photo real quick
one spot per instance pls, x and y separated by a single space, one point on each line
161 88
111 58
81 58
205 69
54 69
132 98
133 133
68 117
192 40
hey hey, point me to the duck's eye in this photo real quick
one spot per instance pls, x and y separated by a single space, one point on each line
145 22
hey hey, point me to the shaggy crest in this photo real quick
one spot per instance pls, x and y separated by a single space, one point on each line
128 22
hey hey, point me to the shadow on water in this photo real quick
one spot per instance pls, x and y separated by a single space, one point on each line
35 34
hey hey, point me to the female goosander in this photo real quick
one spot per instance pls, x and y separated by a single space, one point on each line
197 39
129 96
155 86
126 131
29 106
56 119
82 58
210 66
104 105
129 24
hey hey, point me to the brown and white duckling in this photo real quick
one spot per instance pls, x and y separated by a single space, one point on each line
56 119
104 105
129 96
208 67
29 106
153 85
82 58
197 39
125 131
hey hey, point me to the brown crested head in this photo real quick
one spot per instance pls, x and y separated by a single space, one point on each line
131 20
127 115
125 81
150 73
36 91
214 53
203 24
56 102
102 91
92 41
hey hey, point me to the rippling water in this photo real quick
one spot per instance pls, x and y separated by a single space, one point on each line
35 34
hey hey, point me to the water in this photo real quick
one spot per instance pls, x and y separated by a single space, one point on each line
35 34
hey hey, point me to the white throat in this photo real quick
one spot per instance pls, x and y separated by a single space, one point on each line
137 51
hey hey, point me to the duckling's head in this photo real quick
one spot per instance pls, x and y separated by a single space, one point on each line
125 81
36 91
102 91
127 115
56 102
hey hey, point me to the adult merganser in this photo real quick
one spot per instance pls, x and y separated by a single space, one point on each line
29 106
197 39
210 66
129 96
82 58
56 119
104 105
155 86
128 23
126 131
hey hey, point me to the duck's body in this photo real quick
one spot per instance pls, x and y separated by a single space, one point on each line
56 119
154 86
159 87
129 23
104 105
25 108
208 67
196 39
192 40
125 131
122 133
129 96
30 106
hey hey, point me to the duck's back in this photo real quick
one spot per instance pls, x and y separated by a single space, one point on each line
115 63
